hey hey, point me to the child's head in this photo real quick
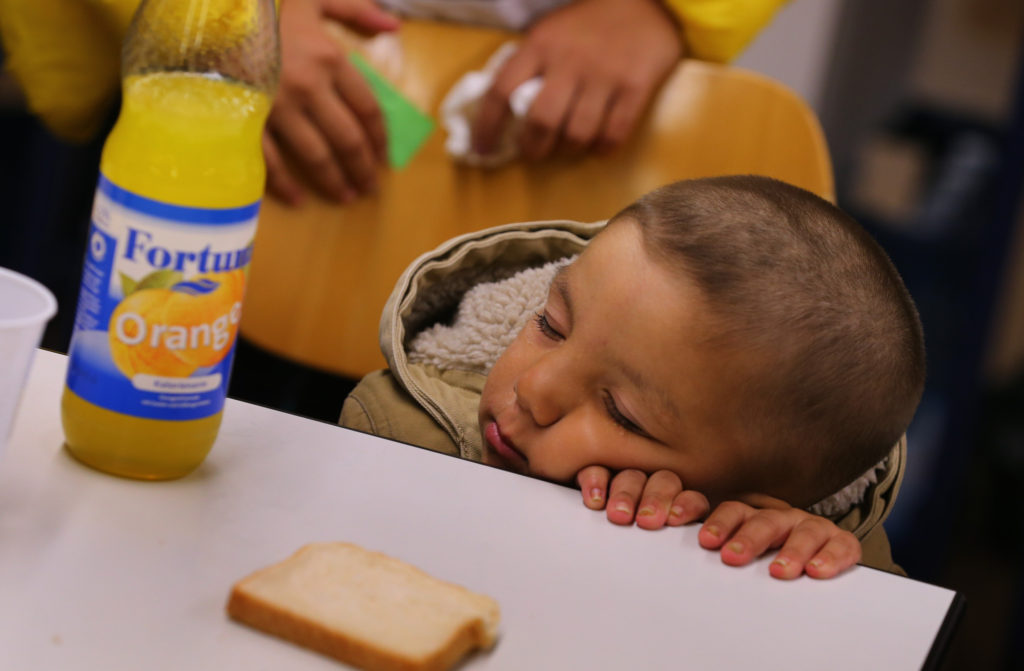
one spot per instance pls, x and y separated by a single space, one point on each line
738 331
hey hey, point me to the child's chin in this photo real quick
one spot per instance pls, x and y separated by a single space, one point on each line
491 458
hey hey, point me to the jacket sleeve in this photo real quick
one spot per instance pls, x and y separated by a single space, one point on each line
718 30
380 406
876 553
65 55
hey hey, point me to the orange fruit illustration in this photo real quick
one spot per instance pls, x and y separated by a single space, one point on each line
132 343
172 332
211 319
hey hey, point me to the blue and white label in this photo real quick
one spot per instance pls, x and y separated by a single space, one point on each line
159 305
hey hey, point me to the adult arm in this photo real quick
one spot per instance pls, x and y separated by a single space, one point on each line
719 30
65 56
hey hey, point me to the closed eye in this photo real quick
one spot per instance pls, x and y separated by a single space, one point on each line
545 327
621 419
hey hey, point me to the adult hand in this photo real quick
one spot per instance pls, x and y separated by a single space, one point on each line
601 60
325 118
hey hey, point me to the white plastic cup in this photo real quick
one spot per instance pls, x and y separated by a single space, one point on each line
25 307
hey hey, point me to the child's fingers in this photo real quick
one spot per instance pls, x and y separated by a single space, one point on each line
762 530
658 494
808 543
840 553
623 495
722 522
593 482
688 506
808 538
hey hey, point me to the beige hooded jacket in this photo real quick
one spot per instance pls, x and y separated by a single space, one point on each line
435 406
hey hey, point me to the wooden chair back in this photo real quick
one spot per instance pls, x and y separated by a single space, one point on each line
322 272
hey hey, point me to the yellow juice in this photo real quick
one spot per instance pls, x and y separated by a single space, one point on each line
188 139
158 313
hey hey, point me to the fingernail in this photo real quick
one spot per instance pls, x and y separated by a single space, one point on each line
736 547
646 511
622 507
595 495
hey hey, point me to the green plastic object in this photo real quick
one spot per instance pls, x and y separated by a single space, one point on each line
407 127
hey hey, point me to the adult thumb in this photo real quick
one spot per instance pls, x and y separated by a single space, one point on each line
361 15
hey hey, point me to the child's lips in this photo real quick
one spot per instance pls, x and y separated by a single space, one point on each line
508 451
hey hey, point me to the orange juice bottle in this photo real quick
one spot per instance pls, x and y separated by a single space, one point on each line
173 220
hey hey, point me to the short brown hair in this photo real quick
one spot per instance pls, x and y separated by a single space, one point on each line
805 288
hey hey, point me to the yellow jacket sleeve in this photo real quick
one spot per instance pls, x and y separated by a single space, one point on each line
718 30
65 55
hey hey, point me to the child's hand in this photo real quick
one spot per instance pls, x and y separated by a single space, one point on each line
742 532
654 500
809 543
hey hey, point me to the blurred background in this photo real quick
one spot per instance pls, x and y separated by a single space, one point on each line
922 104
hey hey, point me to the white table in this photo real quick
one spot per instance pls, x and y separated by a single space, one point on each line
98 572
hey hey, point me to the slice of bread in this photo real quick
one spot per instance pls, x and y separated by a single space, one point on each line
366 609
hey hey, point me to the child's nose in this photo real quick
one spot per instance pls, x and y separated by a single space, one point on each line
542 395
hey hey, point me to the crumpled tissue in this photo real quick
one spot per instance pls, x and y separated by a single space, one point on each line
459 110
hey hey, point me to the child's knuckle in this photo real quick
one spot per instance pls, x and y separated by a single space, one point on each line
732 508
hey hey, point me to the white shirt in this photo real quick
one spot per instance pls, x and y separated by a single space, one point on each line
510 14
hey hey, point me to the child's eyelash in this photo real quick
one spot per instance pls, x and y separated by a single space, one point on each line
545 326
619 418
